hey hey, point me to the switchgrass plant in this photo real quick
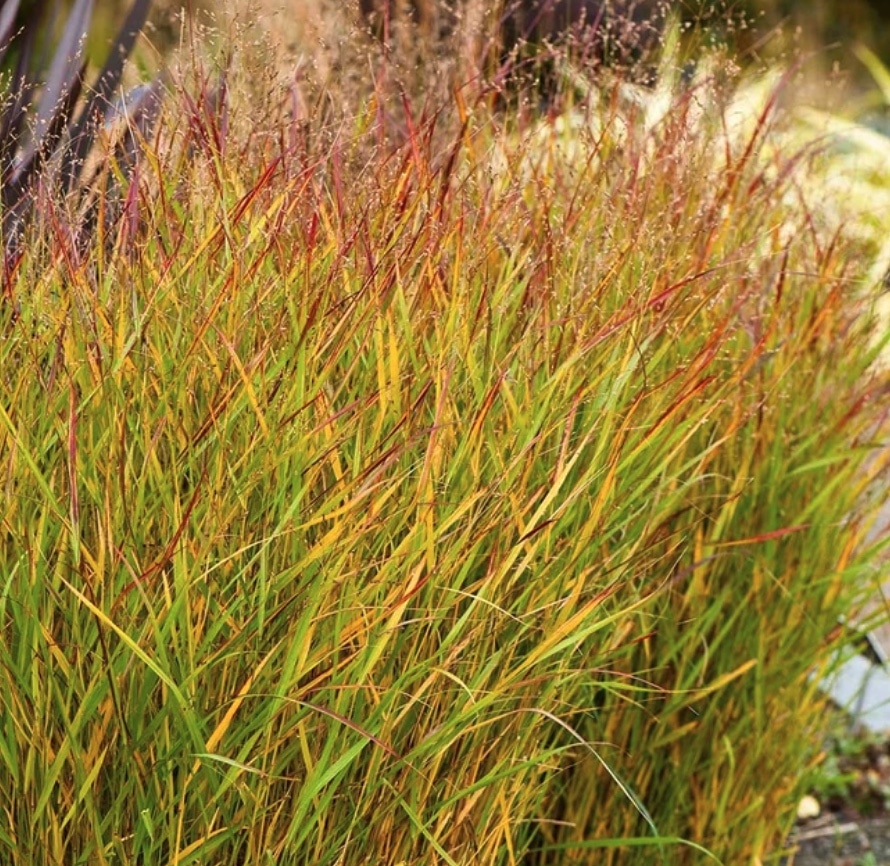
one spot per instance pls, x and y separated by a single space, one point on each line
365 502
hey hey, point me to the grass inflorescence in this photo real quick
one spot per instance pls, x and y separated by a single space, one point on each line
441 500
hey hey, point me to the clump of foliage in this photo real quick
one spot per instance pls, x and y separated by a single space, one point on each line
447 499
853 778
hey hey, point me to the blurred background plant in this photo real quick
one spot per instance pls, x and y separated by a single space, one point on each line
55 108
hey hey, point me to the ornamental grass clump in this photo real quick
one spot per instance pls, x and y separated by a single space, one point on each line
366 504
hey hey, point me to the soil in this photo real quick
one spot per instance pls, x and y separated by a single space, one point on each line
854 827
831 841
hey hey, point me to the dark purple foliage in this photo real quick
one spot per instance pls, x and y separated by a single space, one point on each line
536 21
49 113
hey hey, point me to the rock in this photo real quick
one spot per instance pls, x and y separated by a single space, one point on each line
808 808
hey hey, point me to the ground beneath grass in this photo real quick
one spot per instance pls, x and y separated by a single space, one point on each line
854 826
832 841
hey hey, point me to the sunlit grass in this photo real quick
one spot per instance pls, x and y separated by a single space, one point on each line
446 501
